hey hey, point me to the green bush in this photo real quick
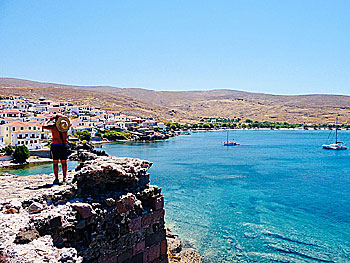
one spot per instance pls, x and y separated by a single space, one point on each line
98 134
8 150
21 153
114 135
83 135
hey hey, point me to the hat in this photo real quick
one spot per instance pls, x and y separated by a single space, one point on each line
62 124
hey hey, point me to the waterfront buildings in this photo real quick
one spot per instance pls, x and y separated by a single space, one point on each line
21 120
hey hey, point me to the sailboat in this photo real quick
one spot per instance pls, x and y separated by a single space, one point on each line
337 145
228 143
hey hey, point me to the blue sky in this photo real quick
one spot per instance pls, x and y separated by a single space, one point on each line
279 47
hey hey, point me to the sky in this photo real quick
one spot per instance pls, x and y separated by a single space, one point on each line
278 47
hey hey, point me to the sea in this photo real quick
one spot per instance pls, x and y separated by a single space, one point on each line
277 197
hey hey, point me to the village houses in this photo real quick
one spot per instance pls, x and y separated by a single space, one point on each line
21 120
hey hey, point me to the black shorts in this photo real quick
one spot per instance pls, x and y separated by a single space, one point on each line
59 152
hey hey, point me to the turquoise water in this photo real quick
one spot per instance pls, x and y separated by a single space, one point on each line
278 197
36 169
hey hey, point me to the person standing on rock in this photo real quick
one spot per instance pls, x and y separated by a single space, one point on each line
59 130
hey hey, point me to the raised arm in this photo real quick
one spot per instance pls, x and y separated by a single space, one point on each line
46 125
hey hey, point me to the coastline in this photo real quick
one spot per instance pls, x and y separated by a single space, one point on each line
32 160
51 207
267 129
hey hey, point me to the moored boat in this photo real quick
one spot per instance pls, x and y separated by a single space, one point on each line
229 143
337 145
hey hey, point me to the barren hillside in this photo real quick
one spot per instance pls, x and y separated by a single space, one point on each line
191 105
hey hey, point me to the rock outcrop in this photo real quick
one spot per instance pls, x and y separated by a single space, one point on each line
108 212
177 253
84 151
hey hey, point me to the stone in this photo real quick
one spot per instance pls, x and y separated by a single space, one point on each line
173 242
27 236
126 203
138 258
125 256
164 260
135 224
139 247
54 222
83 156
129 200
81 224
35 207
158 203
121 209
109 259
153 253
190 255
16 204
153 216
84 209
11 211
69 255
163 247
156 237
110 202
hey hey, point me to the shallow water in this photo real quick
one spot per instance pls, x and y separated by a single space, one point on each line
28 169
278 197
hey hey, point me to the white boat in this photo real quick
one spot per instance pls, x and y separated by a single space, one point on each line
228 143
337 145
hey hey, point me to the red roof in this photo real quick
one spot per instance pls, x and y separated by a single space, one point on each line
21 124
22 131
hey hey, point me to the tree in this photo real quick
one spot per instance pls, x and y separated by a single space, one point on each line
8 150
98 133
83 135
114 135
21 153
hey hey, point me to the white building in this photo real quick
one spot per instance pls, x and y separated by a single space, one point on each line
83 110
22 133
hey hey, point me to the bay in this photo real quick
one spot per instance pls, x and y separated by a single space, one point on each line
278 197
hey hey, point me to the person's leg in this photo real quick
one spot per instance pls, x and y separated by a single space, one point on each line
64 169
55 169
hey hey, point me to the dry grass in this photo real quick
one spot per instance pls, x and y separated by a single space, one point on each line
191 105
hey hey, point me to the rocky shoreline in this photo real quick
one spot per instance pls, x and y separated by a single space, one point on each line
107 212
31 160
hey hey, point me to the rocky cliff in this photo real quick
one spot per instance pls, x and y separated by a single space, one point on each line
107 212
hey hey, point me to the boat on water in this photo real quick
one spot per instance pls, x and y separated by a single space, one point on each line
337 145
229 143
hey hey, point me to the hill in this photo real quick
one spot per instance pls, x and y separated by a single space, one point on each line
191 105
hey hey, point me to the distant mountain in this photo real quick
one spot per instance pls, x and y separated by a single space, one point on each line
191 105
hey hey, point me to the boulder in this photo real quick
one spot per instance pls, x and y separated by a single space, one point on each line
84 209
16 204
11 211
35 207
110 202
25 237
126 203
190 255
69 255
